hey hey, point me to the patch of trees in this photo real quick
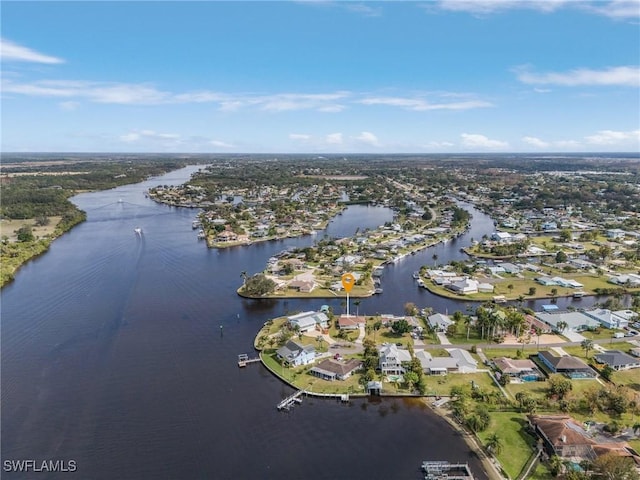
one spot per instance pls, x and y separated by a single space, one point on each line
259 285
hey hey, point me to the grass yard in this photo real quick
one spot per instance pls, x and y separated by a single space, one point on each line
441 385
630 378
517 444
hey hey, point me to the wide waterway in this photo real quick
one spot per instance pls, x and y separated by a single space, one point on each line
119 352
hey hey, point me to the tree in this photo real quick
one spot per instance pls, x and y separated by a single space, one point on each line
561 257
532 291
376 326
25 234
555 465
561 326
559 386
612 466
607 372
243 274
494 443
259 285
587 345
411 379
410 308
357 304
565 235
401 327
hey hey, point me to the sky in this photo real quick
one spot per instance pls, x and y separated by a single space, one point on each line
441 76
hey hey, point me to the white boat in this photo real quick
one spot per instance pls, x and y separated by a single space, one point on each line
416 275
378 290
579 294
420 283
138 231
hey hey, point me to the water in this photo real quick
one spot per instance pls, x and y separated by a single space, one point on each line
113 355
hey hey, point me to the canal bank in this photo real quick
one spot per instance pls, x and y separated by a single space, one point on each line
128 364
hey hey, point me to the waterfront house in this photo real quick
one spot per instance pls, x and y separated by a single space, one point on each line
466 286
392 359
439 322
607 318
459 361
576 321
502 237
306 321
302 286
617 360
563 436
295 354
351 322
567 365
330 369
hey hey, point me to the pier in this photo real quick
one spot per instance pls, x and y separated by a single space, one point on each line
291 400
440 470
244 360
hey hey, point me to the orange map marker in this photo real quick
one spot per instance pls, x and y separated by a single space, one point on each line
348 280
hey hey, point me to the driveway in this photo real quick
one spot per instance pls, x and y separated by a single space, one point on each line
573 336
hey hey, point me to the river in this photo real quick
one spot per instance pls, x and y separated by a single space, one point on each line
119 352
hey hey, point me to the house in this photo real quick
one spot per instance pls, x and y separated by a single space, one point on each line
635 351
303 286
510 268
575 321
464 287
295 354
517 368
615 233
607 318
392 358
567 365
534 323
306 321
502 237
459 361
485 287
563 436
330 369
629 279
617 360
439 322
351 322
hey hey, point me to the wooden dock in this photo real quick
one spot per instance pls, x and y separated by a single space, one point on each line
244 360
291 400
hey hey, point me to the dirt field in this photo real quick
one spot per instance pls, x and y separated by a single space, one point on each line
9 227
545 339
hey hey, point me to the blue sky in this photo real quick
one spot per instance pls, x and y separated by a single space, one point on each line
319 76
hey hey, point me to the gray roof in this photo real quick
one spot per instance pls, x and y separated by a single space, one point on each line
564 363
615 358
291 350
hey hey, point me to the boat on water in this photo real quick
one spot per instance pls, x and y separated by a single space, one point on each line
416 275
378 290
201 235
579 294
420 283
138 231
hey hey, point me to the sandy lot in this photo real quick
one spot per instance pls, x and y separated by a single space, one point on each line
545 339
9 227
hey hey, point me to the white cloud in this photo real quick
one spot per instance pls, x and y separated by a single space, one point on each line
611 137
485 7
568 144
368 138
366 10
433 144
535 142
542 90
292 101
474 140
616 9
10 51
69 106
299 136
627 76
150 135
334 139
420 104
218 143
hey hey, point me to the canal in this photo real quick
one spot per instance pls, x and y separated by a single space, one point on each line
119 352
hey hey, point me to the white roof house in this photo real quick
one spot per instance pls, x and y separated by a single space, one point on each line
391 358
439 321
465 286
308 320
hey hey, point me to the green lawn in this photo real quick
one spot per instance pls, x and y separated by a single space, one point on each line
517 444
441 385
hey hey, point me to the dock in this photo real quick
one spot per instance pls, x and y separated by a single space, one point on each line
291 400
440 470
244 360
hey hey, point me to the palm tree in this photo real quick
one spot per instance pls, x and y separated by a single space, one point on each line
561 326
587 345
243 274
357 304
435 258
494 444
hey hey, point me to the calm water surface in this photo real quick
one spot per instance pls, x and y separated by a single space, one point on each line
113 356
